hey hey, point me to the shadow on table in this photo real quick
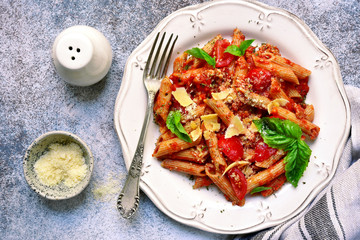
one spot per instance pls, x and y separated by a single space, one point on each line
88 93
66 204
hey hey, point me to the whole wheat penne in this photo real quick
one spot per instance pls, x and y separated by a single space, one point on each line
265 176
180 62
223 184
162 103
166 136
241 71
309 112
306 126
298 70
202 182
253 99
292 92
276 91
184 167
216 156
238 37
197 154
221 109
284 73
173 145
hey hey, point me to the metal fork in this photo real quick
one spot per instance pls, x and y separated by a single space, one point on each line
128 200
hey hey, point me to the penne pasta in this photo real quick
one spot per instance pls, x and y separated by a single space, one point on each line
223 184
180 62
216 156
196 154
284 73
238 37
202 182
253 99
162 103
265 176
309 112
221 109
172 146
184 167
292 92
276 91
298 70
306 126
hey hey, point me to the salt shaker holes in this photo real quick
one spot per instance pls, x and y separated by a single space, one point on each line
77 50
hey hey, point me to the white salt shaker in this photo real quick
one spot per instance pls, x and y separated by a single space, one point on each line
82 55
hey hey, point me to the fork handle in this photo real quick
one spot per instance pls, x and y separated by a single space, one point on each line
128 201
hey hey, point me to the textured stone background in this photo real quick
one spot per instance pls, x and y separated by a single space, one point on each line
34 100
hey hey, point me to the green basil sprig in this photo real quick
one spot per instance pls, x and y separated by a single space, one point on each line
286 135
239 50
174 125
259 189
200 53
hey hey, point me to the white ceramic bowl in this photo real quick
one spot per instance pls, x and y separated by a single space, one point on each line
82 55
38 148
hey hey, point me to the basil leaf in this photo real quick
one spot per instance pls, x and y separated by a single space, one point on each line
297 161
200 53
174 125
259 189
278 133
239 50
286 135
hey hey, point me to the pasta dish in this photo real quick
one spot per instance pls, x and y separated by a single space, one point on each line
234 115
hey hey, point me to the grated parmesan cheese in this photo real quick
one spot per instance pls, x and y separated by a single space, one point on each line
62 163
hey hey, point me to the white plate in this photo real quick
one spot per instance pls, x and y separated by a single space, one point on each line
206 209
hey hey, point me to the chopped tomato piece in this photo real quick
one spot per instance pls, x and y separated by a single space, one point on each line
222 59
238 182
263 152
231 147
260 79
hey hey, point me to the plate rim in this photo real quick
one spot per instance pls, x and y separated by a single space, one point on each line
319 45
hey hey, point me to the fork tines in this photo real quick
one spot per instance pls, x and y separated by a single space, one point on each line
159 64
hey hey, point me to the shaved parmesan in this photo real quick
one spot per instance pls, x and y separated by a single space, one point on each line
182 97
209 117
195 134
234 164
276 103
253 128
193 125
211 122
235 128
221 95
207 134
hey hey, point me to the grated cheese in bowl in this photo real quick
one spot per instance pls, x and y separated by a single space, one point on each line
58 165
62 163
